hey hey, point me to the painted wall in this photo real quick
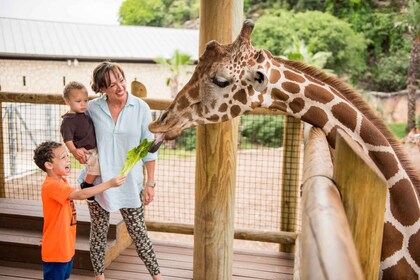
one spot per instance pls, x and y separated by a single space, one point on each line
44 76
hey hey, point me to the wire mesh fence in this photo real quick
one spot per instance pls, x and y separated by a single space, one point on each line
259 166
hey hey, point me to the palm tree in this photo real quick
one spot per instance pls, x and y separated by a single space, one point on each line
300 51
413 24
175 65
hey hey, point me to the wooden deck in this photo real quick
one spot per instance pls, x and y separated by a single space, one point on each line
176 261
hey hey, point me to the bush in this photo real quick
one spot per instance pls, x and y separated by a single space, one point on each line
276 31
263 130
187 141
390 72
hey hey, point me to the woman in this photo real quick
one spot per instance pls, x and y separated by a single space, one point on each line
121 122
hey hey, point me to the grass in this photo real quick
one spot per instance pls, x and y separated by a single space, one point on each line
398 129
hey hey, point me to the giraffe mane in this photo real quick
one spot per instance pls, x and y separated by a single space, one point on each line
359 102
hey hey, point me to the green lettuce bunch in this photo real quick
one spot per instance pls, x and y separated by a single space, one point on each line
134 155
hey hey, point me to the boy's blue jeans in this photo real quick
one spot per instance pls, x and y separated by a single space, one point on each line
57 270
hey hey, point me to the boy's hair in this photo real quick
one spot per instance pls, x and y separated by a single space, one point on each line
45 153
70 86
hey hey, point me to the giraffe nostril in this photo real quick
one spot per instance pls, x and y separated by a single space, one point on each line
163 116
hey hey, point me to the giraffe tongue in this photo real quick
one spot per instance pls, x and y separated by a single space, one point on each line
159 140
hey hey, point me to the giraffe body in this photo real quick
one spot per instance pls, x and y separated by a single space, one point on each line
232 79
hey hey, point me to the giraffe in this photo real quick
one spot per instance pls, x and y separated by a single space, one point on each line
235 78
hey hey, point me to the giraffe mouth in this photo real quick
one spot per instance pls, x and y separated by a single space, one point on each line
170 132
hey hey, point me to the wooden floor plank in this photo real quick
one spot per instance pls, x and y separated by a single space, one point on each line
176 262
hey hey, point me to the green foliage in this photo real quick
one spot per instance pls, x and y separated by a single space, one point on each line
262 130
176 62
134 155
398 129
158 12
301 52
390 72
187 141
326 33
142 12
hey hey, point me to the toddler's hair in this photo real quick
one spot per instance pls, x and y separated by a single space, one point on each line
70 86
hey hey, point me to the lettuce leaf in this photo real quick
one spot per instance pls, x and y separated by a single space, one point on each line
134 155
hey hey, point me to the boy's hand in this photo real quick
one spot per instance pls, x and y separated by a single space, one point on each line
80 155
117 181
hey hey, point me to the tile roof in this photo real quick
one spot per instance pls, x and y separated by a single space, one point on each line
47 39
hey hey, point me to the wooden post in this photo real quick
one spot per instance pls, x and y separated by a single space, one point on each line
2 173
292 141
138 89
216 162
363 191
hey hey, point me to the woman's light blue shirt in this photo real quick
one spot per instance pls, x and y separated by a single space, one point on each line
114 141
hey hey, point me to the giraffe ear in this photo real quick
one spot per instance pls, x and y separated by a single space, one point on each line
260 80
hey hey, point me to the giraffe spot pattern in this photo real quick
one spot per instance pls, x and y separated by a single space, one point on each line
332 135
194 93
297 105
402 195
274 76
250 90
316 116
235 110
240 96
224 118
277 105
370 135
386 163
413 247
290 87
223 108
277 94
402 267
318 93
293 76
213 118
394 238
314 80
346 114
182 103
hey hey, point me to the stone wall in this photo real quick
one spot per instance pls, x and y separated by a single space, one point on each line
392 107
48 76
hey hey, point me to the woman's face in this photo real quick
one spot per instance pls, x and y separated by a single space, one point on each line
116 91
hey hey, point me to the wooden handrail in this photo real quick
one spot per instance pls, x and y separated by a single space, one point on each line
326 247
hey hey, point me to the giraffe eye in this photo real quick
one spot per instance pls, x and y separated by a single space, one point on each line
220 82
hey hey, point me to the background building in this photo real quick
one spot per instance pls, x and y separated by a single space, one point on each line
43 56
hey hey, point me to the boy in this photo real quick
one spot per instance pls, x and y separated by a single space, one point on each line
59 233
78 131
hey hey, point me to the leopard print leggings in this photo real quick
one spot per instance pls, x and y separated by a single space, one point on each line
134 219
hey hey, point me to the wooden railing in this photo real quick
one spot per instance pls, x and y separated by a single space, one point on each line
343 208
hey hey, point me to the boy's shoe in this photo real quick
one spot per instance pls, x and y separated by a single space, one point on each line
87 185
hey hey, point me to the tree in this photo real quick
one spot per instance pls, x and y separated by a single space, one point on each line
159 13
413 22
300 51
175 65
142 12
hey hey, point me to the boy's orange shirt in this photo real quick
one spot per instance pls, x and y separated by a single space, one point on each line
59 233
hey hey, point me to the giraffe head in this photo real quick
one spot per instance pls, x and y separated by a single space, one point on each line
225 84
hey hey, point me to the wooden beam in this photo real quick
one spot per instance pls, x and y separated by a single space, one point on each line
327 249
363 191
292 140
216 161
253 235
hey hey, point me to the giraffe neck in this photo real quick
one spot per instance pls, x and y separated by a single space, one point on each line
318 101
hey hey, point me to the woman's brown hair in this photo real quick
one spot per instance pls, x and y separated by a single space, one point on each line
101 75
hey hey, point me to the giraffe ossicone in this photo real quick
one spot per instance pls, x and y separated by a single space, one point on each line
232 79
